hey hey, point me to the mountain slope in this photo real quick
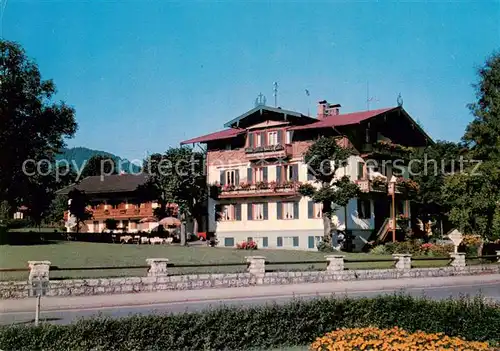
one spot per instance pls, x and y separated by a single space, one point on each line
79 155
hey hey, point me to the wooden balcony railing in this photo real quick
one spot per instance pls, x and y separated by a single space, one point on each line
268 151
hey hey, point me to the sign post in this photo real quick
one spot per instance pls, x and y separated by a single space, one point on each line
392 192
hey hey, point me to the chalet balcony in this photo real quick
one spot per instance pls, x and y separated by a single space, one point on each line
260 189
268 151
121 213
380 185
386 149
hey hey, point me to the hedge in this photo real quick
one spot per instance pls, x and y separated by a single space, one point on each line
265 327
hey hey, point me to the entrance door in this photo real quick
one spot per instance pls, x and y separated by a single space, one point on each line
381 211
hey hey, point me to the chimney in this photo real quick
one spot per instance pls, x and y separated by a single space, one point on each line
326 110
322 106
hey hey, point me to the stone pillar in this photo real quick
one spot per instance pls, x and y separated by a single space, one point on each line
498 256
403 261
158 267
257 267
39 270
458 260
335 263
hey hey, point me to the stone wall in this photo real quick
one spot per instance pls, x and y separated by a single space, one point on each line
256 275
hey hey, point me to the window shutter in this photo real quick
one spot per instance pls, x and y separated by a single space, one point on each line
310 242
249 175
279 241
265 242
249 211
250 140
295 210
280 136
295 241
237 212
237 177
222 177
266 215
310 209
263 140
295 172
279 210
278 174
264 174
360 170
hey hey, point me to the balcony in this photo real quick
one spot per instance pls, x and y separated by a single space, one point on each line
260 189
124 213
379 185
268 151
386 149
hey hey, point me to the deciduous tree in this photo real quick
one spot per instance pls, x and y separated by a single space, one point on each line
324 158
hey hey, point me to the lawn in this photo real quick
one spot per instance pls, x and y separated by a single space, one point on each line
66 254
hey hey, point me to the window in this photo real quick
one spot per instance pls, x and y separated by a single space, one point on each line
258 139
125 224
260 174
364 209
313 241
272 138
291 241
265 242
279 241
230 212
287 210
257 212
314 210
230 177
288 137
228 146
228 241
96 226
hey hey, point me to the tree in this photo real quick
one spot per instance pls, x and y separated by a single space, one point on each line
77 207
324 158
55 213
99 165
178 177
429 167
32 126
474 195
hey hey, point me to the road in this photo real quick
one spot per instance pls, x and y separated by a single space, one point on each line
64 310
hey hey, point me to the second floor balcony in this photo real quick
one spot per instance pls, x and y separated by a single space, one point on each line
259 189
380 185
268 151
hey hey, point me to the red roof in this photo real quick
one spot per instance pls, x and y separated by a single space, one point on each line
343 120
223 134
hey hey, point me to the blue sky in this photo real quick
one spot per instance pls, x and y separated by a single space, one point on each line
144 75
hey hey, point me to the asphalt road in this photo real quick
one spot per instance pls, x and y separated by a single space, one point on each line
67 310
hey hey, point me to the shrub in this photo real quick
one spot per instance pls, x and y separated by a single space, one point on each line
471 245
261 327
437 250
413 247
379 250
325 247
350 339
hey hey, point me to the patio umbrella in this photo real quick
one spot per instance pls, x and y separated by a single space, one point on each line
170 221
148 220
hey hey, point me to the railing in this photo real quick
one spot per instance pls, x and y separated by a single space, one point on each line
122 212
333 263
268 151
260 189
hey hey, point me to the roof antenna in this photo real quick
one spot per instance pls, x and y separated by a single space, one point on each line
275 93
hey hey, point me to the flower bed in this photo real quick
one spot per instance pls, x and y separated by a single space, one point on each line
348 339
247 245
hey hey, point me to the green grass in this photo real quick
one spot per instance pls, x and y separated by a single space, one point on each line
84 254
